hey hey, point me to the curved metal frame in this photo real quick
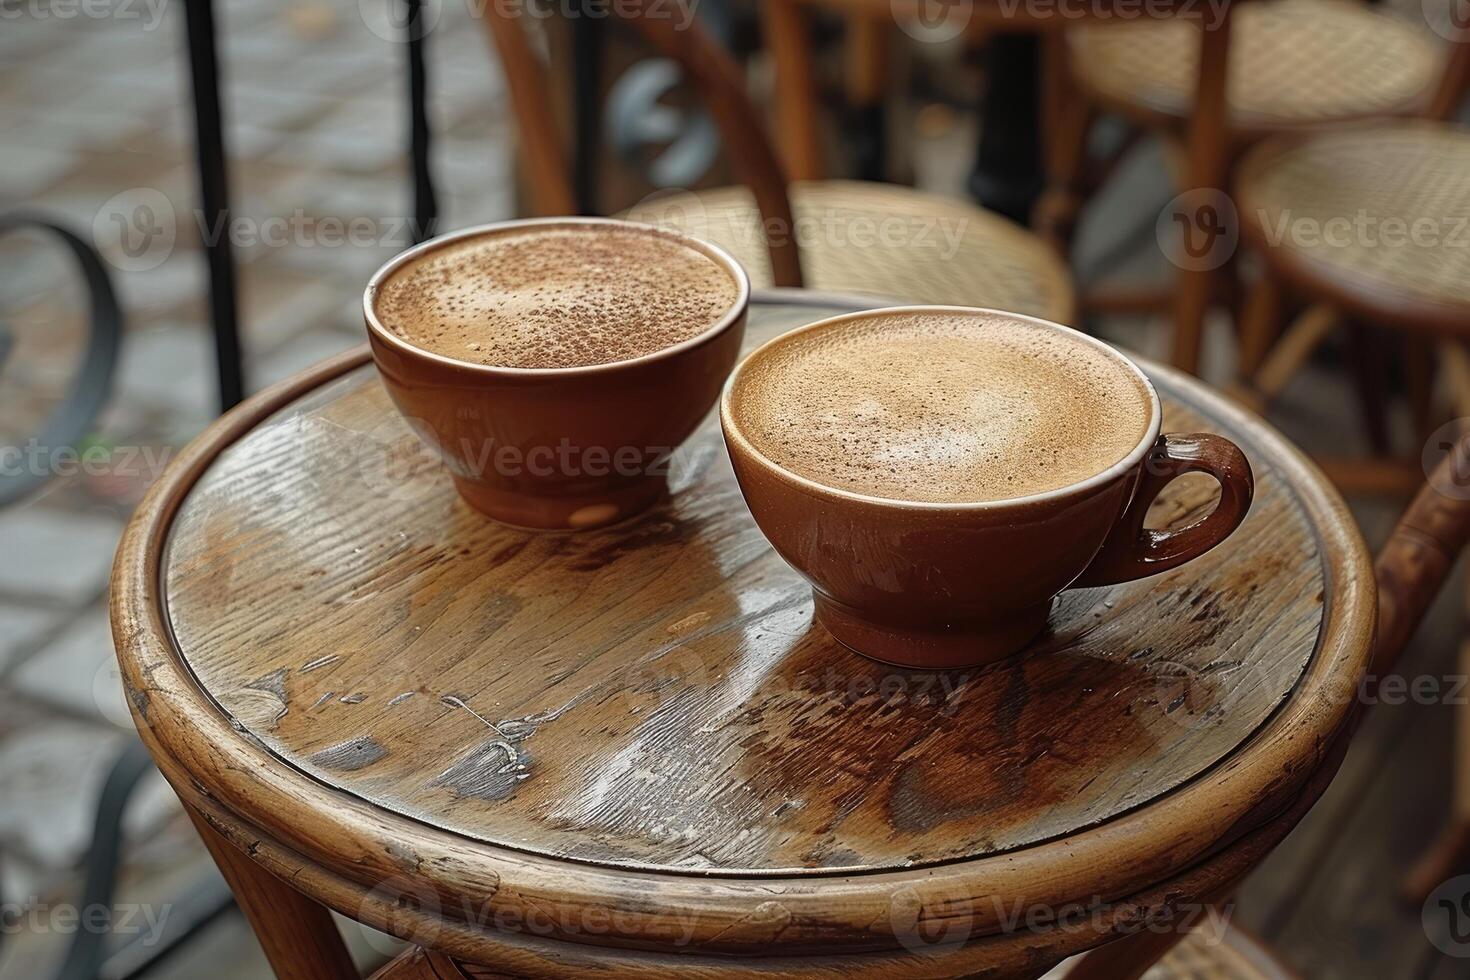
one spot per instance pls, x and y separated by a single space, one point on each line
93 381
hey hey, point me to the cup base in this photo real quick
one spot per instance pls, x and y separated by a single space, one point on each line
574 513
948 646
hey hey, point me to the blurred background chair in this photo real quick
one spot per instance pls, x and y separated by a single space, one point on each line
1284 64
1368 227
843 236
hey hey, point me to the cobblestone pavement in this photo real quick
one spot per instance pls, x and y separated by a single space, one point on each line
97 131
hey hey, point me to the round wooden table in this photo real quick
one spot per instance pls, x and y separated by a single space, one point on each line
632 750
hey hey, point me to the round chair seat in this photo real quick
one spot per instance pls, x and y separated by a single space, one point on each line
883 240
1292 62
1377 218
1237 956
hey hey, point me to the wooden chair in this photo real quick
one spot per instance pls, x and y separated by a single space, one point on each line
1413 172
1291 64
877 239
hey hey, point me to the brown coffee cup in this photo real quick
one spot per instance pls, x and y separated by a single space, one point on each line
558 448
942 585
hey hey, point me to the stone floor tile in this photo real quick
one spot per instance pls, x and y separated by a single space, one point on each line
53 772
62 558
295 306
169 366
31 167
22 628
299 354
77 672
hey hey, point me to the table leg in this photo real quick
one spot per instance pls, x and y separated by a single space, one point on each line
1007 174
589 39
299 937
867 36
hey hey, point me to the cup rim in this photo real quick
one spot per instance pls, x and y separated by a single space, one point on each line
732 432
723 258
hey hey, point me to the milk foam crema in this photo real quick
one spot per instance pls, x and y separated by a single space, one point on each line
941 407
556 296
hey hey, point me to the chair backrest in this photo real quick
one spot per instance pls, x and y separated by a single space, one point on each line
670 29
1420 553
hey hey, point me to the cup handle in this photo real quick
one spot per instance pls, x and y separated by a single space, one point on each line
1132 551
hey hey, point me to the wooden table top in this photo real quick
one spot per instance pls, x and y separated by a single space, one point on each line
323 642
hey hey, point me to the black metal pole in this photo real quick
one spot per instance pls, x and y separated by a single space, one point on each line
214 196
425 204
588 44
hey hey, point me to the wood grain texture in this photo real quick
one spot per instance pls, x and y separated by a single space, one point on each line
706 629
657 695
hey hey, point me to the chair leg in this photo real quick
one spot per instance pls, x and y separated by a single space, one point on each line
1419 371
1259 324
1208 151
1368 366
784 22
1282 362
300 940
1450 854
1068 118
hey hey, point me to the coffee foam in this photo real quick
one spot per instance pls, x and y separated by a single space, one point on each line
940 407
556 297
